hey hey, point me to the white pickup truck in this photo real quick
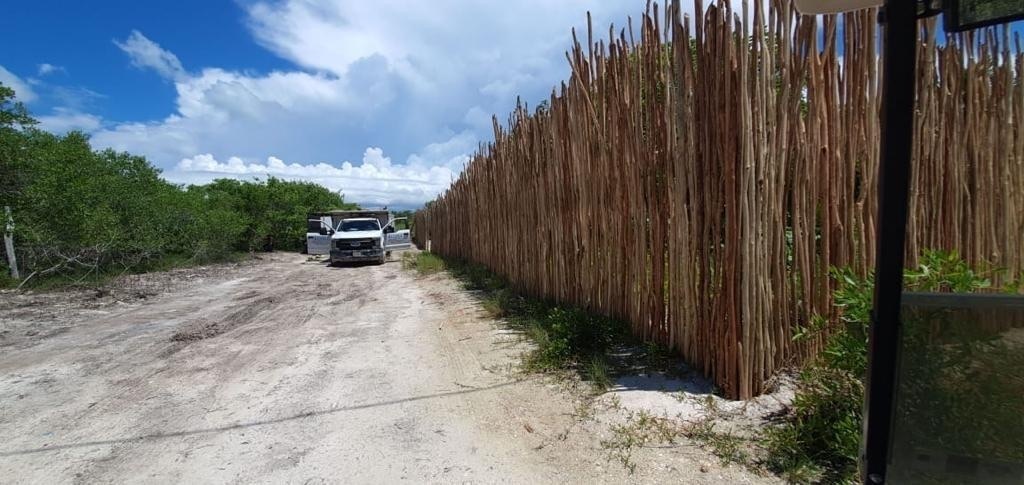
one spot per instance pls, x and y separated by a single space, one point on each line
363 239
356 235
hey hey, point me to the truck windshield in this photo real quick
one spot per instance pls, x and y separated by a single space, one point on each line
350 226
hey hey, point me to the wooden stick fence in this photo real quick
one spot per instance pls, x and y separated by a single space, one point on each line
697 178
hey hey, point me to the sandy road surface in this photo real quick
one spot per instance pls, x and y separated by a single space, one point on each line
288 371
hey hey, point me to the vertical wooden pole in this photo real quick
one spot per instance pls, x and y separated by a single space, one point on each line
12 260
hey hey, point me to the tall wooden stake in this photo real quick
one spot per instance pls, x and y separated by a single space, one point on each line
12 261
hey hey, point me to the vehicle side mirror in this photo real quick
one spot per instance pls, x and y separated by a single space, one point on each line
323 231
389 229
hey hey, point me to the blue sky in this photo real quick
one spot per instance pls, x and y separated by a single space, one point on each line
383 100
78 37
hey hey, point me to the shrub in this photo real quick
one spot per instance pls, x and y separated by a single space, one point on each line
821 435
81 213
822 432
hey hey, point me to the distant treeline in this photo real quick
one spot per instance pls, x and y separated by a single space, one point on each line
81 212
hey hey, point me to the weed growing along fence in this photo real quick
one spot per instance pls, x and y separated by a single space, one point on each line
818 439
698 178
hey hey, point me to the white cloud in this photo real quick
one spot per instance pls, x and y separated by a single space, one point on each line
64 120
452 153
437 44
376 181
145 53
418 79
46 69
296 114
76 98
22 91
477 118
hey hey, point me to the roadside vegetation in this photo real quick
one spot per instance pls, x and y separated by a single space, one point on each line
81 215
423 262
565 338
597 349
819 439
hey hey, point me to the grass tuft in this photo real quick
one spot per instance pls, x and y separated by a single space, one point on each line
641 429
727 446
423 262
565 337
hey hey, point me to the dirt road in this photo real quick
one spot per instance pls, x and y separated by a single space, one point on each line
288 371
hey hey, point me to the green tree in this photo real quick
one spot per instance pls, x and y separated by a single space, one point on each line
14 120
82 213
274 211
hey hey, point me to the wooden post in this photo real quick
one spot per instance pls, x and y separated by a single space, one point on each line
12 261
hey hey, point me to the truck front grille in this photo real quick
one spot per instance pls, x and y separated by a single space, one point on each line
354 244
